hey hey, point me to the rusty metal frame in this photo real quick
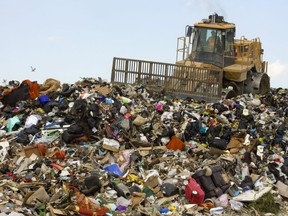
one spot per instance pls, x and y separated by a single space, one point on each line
179 80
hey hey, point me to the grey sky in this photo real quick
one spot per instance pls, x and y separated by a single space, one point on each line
69 39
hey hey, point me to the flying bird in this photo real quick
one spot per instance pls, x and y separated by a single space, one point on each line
33 69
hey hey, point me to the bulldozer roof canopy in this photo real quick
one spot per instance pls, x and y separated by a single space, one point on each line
215 25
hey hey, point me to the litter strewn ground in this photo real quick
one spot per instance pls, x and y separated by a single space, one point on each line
93 148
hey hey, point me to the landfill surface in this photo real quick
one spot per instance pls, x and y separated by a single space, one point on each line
94 148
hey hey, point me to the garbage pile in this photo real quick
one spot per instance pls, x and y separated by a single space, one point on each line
93 148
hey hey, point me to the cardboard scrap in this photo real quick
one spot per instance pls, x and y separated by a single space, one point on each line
137 198
282 188
111 145
55 212
139 120
101 89
251 195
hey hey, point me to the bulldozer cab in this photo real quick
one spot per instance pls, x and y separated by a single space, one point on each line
213 46
212 42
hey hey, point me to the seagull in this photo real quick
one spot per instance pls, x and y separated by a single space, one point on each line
33 69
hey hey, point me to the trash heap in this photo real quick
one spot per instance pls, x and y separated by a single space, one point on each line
93 148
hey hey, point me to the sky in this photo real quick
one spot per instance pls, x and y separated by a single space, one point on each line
71 39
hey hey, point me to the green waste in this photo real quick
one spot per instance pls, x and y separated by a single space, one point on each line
266 204
41 210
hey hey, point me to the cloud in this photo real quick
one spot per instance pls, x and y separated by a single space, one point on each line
278 73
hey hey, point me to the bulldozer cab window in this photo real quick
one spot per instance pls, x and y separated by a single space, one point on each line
229 41
208 46
213 42
208 40
229 54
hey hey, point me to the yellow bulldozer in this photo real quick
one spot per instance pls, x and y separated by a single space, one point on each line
210 65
